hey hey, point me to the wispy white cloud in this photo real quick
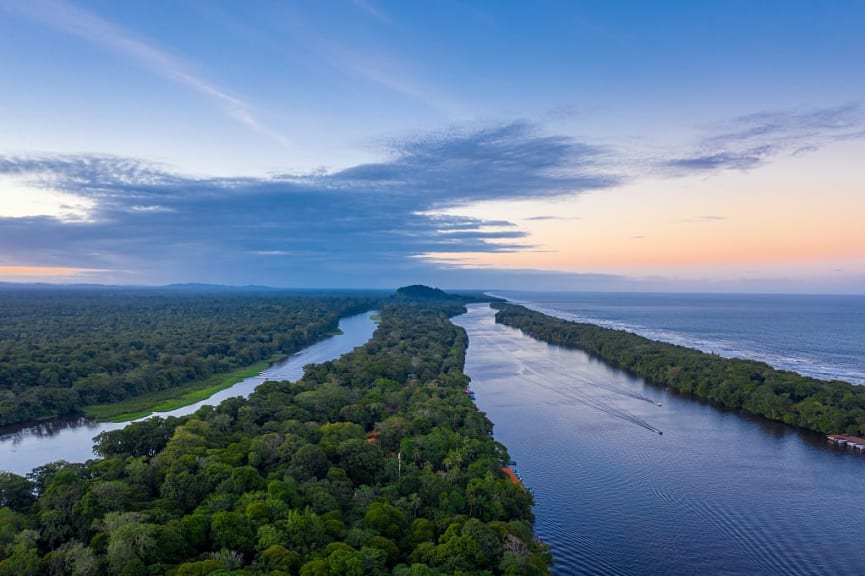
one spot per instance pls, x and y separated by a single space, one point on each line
72 19
371 58
697 219
548 217
385 69
371 9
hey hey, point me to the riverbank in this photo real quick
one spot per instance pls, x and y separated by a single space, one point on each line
821 336
23 448
719 493
174 398
755 387
286 476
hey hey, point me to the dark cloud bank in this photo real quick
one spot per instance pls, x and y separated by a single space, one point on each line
366 226
363 226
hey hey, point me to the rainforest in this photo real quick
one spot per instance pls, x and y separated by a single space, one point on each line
375 463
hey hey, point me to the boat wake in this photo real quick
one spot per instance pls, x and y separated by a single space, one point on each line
610 387
578 390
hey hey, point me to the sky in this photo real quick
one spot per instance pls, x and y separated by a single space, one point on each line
560 145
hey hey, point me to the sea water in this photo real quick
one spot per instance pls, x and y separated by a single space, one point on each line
819 336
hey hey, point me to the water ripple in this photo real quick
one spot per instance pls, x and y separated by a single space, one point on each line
715 494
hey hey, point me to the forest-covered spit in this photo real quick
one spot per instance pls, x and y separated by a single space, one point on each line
756 387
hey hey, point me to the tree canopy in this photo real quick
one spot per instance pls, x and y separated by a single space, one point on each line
64 349
375 463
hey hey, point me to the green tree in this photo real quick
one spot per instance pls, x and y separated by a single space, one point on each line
24 557
16 492
232 531
131 542
386 519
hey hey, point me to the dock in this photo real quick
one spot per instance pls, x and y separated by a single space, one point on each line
853 442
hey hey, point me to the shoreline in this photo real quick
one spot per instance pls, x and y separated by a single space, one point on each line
24 447
741 348
826 407
174 398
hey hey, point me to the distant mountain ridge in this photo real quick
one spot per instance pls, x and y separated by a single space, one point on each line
418 292
191 287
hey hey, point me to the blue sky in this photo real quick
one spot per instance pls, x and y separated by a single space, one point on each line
565 145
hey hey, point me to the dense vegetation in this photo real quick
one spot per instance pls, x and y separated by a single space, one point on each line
377 463
64 349
734 383
421 293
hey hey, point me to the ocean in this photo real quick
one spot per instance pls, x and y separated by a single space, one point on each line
819 336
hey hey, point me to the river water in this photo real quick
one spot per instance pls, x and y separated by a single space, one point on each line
716 493
26 448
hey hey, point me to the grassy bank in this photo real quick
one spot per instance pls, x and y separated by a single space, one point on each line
167 400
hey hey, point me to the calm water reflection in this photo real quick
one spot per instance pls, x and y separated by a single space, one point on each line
26 448
716 493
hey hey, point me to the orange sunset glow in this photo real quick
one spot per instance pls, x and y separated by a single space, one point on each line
47 271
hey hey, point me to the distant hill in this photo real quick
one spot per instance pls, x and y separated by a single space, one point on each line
426 293
421 292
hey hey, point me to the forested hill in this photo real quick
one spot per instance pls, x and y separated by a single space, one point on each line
377 463
829 407
420 292
64 349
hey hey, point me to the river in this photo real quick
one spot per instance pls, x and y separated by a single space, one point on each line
716 493
28 447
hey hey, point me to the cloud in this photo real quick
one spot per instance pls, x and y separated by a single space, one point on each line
371 10
749 141
375 59
151 225
71 19
374 224
742 160
563 112
696 219
509 161
39 271
804 150
548 218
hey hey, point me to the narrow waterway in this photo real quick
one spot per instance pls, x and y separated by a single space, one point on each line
625 486
26 448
